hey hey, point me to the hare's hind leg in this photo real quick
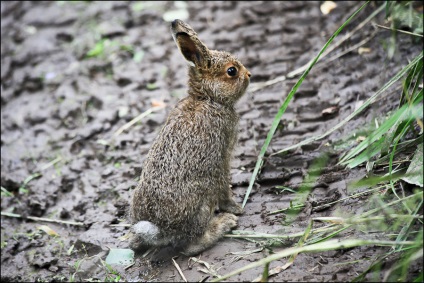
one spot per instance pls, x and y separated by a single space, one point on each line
219 225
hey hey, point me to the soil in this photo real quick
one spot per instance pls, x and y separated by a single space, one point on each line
60 110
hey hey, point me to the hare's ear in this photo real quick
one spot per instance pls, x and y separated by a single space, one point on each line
193 50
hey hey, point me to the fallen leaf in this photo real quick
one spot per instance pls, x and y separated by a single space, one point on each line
69 252
49 231
358 104
360 138
123 111
158 103
414 174
102 142
363 50
151 86
196 260
327 7
330 110
208 270
274 271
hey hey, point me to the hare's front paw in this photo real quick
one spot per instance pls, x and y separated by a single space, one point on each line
227 221
218 226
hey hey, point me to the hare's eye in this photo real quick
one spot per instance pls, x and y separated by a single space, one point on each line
232 71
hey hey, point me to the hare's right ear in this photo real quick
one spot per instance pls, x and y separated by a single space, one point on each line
193 50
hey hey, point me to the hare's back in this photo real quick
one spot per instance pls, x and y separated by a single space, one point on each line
185 166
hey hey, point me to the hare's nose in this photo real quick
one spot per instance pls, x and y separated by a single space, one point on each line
175 23
249 74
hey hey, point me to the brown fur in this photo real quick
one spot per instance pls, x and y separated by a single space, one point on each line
186 174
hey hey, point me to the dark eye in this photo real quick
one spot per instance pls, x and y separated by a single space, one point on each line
232 71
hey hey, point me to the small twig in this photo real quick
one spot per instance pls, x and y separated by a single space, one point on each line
179 269
330 203
399 30
41 219
240 255
351 48
120 225
247 252
128 266
136 119
194 259
251 234
148 252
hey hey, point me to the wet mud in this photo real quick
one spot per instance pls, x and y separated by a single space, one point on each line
60 110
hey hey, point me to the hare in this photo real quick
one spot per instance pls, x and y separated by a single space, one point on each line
186 174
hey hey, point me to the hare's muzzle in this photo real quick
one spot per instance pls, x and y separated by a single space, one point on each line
247 75
175 23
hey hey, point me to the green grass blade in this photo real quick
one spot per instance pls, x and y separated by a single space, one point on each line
412 82
369 101
399 116
404 233
401 148
314 171
414 114
334 244
377 134
367 154
387 205
283 107
331 235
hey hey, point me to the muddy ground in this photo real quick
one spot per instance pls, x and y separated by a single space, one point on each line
60 109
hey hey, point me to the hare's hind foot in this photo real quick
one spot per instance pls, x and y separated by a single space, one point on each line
218 226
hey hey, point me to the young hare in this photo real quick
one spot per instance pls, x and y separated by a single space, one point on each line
186 174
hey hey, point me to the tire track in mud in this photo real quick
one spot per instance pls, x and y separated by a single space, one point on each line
56 103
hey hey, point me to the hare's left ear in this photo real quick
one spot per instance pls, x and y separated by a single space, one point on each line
193 50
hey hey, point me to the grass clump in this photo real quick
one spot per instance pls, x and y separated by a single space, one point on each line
392 153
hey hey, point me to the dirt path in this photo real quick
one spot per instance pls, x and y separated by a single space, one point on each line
59 111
